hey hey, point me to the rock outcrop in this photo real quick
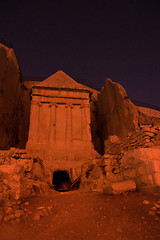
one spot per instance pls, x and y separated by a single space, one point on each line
116 114
14 101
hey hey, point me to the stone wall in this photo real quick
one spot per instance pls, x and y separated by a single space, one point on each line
14 101
147 136
133 162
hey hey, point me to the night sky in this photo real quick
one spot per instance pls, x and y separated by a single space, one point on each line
90 40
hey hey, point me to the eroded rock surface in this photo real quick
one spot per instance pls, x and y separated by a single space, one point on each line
14 101
117 115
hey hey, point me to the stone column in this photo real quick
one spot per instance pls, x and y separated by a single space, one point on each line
82 123
52 125
71 124
34 124
54 121
66 134
44 126
77 124
50 134
68 123
87 121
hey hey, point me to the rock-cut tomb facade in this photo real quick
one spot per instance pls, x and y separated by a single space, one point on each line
60 119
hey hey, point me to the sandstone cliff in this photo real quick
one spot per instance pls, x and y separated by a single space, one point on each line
14 101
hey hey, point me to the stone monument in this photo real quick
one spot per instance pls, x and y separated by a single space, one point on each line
60 119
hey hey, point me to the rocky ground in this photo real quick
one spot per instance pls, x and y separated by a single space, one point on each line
76 215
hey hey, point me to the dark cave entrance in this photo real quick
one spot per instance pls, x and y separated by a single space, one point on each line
62 181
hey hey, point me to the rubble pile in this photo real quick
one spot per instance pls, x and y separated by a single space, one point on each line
147 136
135 158
21 176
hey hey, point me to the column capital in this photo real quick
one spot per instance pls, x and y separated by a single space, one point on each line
69 105
50 105
82 105
54 104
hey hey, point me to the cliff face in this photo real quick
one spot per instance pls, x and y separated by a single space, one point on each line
116 114
14 101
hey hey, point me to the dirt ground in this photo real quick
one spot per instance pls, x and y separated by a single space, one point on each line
87 216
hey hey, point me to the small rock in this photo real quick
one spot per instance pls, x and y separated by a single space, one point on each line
16 156
37 217
25 156
40 208
29 212
157 205
49 208
153 208
9 204
8 210
18 213
11 216
6 218
145 202
151 213
26 203
5 181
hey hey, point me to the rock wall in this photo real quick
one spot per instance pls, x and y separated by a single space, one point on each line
116 114
147 136
14 101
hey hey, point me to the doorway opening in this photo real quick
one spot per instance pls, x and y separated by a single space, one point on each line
61 181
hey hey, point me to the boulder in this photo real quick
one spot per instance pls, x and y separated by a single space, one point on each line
119 187
117 115
143 166
37 171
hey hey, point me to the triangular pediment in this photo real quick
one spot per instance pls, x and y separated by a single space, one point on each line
61 80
